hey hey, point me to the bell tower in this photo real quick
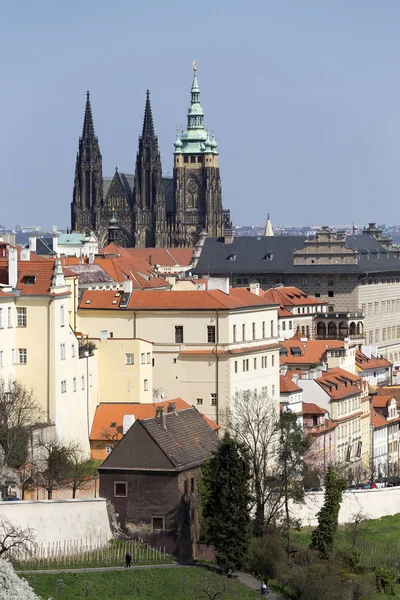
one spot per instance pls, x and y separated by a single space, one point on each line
197 182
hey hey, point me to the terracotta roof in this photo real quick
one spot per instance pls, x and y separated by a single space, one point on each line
378 420
339 384
34 276
381 401
113 412
287 385
375 362
290 297
175 300
309 408
311 351
165 257
389 390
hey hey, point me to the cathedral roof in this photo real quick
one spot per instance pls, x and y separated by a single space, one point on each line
128 180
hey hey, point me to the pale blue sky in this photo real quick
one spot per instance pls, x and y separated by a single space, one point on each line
304 97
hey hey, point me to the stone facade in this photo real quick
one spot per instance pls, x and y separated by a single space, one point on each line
147 209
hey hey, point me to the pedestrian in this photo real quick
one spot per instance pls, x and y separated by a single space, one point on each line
128 560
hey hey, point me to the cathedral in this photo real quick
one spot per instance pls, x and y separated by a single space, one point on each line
146 209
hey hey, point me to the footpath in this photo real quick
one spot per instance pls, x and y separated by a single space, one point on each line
253 583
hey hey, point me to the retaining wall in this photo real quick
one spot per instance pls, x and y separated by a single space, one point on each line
374 504
81 521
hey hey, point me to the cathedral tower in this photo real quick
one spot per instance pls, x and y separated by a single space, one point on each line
88 184
148 189
197 183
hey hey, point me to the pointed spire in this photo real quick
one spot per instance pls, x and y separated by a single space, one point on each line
88 127
269 232
148 125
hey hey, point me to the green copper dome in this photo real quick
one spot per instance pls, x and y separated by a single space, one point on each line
195 140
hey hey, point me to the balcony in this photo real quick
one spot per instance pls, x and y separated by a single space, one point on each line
340 325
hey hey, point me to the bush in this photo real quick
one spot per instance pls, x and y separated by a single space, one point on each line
348 557
265 556
11 586
385 579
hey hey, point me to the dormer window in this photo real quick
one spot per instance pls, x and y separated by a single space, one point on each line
29 279
268 256
232 256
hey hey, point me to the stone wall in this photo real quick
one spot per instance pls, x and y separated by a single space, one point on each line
59 521
373 503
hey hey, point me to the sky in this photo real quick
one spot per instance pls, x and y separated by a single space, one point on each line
304 98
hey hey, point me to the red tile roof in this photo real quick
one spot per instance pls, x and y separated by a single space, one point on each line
287 385
114 412
363 362
378 420
34 276
165 257
291 296
309 408
339 384
175 300
312 351
381 401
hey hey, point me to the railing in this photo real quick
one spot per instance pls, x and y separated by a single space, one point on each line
340 336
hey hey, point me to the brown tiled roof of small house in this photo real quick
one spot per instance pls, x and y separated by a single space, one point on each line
364 362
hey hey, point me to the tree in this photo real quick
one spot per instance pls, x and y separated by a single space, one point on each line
293 445
355 525
20 413
81 470
225 498
323 535
55 465
13 587
253 421
12 537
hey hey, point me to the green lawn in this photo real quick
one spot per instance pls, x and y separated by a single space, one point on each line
186 583
378 540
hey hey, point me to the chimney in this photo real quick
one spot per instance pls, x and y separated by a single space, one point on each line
228 235
91 258
32 243
128 286
25 254
255 288
127 423
12 267
55 245
161 418
171 408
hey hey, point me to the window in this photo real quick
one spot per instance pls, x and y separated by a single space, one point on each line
330 282
330 294
74 384
272 360
253 330
120 489
264 391
263 329
290 325
129 358
246 364
273 391
148 358
9 316
21 316
146 385
234 333
192 484
83 382
178 334
1 358
62 321
1 318
185 159
211 334
283 325
199 401
255 364
13 356
73 350
243 332
22 356
213 398
109 448
376 335
158 522
63 386
236 366
192 159
272 329
62 351
142 358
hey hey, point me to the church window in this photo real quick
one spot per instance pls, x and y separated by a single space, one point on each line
192 159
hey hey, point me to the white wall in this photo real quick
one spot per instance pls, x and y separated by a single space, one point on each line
61 520
373 503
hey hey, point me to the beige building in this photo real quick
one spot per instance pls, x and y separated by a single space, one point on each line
207 344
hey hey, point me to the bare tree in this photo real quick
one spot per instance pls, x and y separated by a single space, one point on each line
54 466
210 594
20 413
355 525
253 419
82 470
12 536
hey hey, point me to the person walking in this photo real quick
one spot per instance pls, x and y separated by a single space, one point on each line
128 560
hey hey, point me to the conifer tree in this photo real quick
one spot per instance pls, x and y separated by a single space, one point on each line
322 537
225 498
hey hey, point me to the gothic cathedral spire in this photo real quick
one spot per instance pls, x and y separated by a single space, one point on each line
148 192
88 184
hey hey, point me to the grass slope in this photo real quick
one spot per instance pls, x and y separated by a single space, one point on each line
169 584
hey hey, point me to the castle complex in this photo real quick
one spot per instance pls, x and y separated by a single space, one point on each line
147 209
